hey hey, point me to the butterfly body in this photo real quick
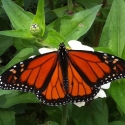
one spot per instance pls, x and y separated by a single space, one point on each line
63 60
64 76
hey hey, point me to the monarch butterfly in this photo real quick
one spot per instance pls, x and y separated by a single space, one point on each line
64 75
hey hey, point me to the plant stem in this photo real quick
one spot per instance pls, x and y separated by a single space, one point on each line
104 3
70 5
51 4
64 114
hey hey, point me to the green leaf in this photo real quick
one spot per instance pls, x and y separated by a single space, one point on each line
19 18
16 97
117 123
7 117
23 43
105 11
104 49
2 92
113 32
22 33
39 17
89 3
53 38
24 54
95 113
63 10
5 43
60 12
117 91
73 27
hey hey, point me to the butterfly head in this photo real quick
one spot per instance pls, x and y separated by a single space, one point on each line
62 45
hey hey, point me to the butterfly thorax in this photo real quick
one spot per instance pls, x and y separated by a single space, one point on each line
64 65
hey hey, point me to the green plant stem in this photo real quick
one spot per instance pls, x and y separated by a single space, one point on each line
51 4
64 114
70 5
104 3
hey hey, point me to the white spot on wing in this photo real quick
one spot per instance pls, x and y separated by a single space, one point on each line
14 66
32 56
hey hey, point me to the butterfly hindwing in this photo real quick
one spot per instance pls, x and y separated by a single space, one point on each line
54 93
79 90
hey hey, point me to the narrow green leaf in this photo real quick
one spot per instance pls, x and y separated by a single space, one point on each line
73 27
5 43
7 117
60 12
20 44
39 18
19 18
53 38
89 3
113 32
63 10
22 33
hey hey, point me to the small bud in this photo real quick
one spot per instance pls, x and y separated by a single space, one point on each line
35 29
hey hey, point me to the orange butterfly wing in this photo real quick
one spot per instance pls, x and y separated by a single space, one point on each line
79 90
54 94
41 75
87 71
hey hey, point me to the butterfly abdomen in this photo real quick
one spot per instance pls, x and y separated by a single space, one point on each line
64 65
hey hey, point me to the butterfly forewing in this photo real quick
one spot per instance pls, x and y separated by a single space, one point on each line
97 68
30 75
